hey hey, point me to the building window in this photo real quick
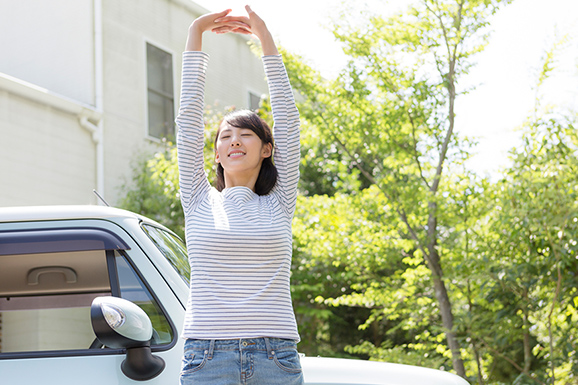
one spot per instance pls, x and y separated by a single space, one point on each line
254 101
160 93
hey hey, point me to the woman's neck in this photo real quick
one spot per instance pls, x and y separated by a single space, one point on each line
248 181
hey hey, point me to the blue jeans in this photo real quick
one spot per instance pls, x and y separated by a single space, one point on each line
254 361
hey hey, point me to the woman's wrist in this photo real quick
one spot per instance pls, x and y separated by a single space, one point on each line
195 38
268 44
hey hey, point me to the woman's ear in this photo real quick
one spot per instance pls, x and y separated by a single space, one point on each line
217 158
267 150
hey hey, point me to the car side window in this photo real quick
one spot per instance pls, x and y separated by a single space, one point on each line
133 289
48 280
173 249
45 299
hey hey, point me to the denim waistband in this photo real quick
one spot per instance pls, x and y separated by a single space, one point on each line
243 344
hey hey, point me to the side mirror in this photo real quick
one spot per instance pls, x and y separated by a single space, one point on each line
121 324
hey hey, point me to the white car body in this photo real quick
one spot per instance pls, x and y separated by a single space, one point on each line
45 257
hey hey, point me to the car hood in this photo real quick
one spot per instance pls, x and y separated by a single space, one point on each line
336 371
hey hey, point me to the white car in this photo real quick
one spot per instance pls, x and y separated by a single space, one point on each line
75 277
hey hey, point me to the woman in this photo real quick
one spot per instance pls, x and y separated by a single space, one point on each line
240 325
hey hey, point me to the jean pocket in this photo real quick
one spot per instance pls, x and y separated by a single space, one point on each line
288 360
193 362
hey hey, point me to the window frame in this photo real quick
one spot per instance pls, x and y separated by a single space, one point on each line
251 93
33 241
161 47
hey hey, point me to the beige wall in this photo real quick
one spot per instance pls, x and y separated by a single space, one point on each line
49 43
46 157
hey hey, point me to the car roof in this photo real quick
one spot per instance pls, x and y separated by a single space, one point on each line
63 212
339 371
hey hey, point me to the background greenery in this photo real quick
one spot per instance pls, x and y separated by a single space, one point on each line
401 253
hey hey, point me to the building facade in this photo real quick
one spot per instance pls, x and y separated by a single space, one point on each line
89 86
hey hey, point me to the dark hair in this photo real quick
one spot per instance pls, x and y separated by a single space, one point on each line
248 119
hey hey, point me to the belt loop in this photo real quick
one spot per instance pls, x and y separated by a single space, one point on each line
270 352
211 349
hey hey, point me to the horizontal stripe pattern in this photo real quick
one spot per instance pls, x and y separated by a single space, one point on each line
239 243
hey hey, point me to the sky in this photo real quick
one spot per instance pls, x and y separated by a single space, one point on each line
504 77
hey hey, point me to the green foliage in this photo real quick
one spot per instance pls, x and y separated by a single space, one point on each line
324 268
341 243
536 222
153 191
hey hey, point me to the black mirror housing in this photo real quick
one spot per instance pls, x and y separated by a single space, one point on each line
121 324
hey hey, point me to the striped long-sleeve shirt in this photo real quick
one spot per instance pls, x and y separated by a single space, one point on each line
239 243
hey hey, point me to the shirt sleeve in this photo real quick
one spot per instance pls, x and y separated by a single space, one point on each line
193 181
286 131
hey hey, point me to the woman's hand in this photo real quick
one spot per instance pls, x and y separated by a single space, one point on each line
252 24
214 22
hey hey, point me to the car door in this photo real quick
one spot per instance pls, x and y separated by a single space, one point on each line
50 272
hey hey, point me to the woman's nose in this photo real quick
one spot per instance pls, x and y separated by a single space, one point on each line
235 142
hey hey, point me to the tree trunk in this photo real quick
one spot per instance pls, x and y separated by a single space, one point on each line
526 334
471 311
479 364
442 295
448 323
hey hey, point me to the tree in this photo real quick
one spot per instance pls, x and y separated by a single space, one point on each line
537 223
531 252
392 113
365 268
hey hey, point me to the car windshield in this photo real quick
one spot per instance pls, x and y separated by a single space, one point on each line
172 248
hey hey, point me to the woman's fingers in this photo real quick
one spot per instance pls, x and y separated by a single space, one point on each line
233 26
246 25
206 22
230 23
253 17
223 13
226 29
231 18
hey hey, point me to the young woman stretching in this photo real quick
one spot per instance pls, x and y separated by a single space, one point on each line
240 325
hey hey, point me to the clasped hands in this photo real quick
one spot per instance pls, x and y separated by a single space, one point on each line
223 22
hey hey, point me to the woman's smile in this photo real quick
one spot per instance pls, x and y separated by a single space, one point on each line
236 154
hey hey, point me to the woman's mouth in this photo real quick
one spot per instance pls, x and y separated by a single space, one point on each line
236 154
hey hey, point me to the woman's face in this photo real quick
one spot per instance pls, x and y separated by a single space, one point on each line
240 150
